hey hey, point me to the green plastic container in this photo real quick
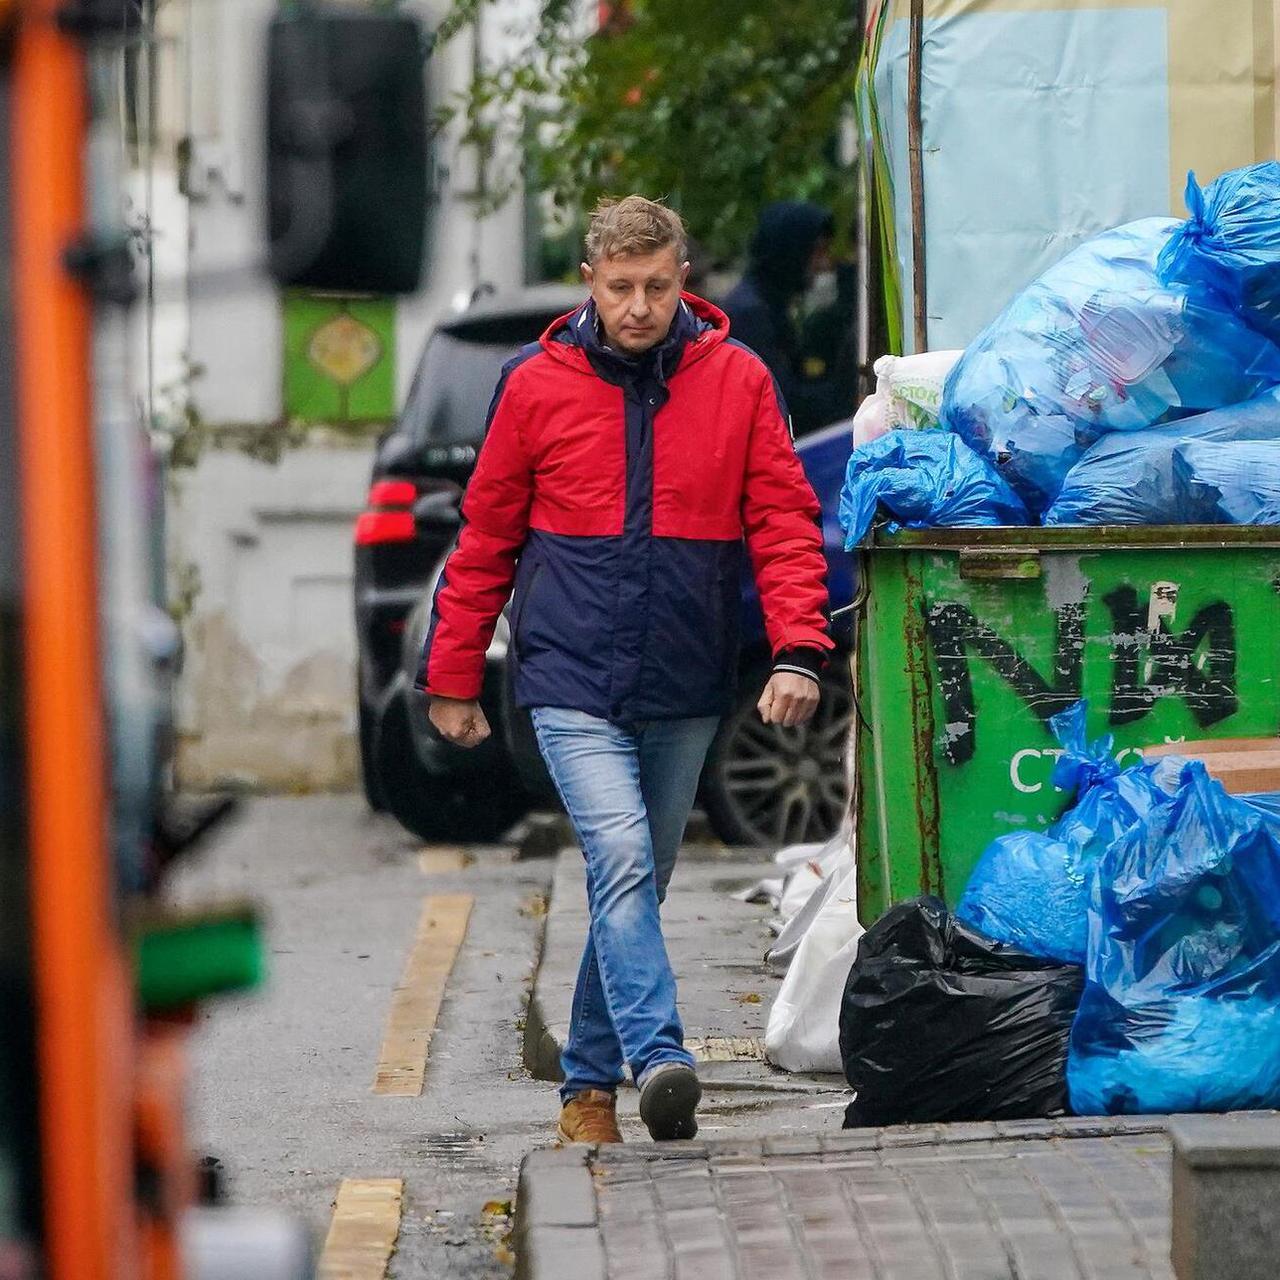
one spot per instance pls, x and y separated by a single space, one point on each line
185 957
970 639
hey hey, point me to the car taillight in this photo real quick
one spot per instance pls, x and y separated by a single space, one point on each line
392 493
385 526
388 519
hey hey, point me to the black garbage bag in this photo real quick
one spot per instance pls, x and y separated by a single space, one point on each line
941 1023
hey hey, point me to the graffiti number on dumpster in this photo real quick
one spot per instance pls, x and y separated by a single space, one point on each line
1150 660
956 634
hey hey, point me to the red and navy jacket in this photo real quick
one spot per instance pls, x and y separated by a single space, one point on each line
616 494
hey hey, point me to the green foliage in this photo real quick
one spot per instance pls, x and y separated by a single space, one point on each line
719 107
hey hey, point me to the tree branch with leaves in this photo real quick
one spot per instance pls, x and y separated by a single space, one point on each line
718 107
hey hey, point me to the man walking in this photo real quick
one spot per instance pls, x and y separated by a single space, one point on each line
629 454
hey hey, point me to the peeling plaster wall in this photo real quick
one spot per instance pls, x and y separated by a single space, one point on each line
266 696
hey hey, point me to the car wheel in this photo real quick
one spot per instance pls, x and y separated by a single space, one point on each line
476 809
768 786
367 724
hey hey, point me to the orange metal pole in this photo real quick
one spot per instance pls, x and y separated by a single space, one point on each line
84 1020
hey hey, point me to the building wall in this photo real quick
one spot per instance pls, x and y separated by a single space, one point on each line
260 552
235 311
266 695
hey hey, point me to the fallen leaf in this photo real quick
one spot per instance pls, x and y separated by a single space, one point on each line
749 997
497 1209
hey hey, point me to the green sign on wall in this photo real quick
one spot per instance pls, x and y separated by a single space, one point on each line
339 358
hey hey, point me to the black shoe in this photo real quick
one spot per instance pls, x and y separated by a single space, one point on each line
669 1097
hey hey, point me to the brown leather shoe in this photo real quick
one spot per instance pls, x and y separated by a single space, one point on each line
590 1116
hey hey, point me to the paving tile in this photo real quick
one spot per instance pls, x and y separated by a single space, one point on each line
680 1191
910 1135
1027 1128
691 1228
553 1253
851 1140
792 1145
710 1262
770 1264
729 1165
971 1131
556 1190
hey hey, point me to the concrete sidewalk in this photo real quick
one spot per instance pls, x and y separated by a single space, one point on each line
1053 1200
717 948
1029 1200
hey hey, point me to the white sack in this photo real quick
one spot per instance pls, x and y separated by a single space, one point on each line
809 875
908 394
835 865
795 855
872 419
804 1023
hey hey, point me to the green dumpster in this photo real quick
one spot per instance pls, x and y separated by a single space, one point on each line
969 640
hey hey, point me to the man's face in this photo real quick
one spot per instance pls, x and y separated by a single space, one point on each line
636 297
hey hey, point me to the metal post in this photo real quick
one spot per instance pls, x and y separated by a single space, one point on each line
84 995
916 150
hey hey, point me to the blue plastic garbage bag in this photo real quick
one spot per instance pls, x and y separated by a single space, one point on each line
1099 344
923 479
1031 888
1128 477
1267 802
1237 482
1181 1010
1231 243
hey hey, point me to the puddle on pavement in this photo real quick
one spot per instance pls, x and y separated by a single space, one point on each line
455 1150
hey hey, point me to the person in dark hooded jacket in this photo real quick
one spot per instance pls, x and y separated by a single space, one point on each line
791 246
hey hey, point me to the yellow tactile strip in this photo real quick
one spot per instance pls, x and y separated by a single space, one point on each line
441 858
416 1003
362 1234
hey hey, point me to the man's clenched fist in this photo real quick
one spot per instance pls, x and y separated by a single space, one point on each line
788 699
459 721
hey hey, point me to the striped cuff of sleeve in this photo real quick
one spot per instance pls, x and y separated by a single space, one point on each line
800 662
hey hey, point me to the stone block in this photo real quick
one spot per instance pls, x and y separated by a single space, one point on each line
1226 1197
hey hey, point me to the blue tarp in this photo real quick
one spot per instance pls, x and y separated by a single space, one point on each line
1026 156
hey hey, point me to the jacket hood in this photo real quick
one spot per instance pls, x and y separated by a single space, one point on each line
574 339
783 244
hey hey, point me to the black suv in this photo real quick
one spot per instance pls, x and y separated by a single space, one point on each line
419 471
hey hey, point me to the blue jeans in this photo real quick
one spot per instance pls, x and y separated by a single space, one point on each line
628 793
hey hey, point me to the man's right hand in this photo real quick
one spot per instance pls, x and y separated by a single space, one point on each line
460 721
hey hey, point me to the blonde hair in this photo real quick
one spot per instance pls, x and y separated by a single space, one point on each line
634 225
